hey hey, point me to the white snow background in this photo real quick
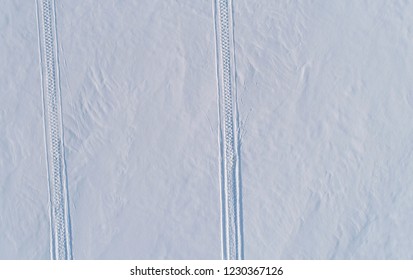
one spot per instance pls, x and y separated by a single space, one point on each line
325 99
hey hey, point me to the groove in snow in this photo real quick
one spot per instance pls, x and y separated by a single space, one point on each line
59 211
232 240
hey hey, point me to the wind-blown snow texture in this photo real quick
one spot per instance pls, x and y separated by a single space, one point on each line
24 213
327 151
325 103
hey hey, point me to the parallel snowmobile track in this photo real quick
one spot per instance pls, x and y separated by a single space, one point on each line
59 211
232 240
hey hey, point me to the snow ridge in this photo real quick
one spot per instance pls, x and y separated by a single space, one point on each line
232 241
59 211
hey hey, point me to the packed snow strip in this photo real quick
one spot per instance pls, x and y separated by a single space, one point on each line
59 212
231 218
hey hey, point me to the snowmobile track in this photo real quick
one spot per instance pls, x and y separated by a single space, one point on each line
232 240
59 211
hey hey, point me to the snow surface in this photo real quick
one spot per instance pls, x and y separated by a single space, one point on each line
326 91
325 97
24 213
